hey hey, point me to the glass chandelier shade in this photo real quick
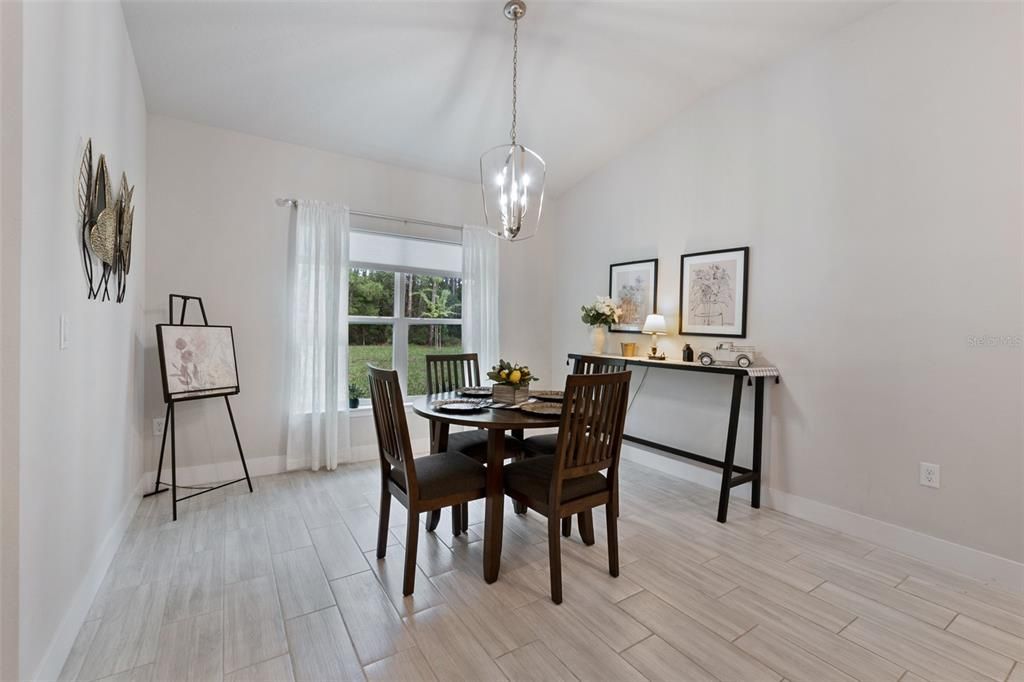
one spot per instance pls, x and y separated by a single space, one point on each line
512 176
512 179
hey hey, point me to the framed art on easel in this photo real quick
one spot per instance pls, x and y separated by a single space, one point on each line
713 293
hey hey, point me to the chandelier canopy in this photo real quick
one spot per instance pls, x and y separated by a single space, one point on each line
511 175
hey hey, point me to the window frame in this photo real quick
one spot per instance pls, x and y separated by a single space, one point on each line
399 323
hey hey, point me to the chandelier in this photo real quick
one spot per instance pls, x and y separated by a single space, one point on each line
512 176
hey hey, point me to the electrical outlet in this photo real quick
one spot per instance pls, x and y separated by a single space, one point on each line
158 426
930 475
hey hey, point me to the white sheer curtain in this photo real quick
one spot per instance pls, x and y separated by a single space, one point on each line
318 425
480 295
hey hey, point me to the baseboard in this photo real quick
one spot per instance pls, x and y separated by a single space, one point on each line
60 646
220 471
990 568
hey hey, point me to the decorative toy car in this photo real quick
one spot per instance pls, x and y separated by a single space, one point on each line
728 354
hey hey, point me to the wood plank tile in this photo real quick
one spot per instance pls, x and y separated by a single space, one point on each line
869 569
658 661
921 609
534 662
1012 623
718 656
471 600
286 530
301 584
275 670
576 646
242 511
246 553
362 523
144 673
253 627
787 659
390 572
449 647
339 554
852 659
1017 674
321 648
128 638
376 630
197 586
801 603
965 652
686 572
191 649
73 663
918 659
993 596
405 666
711 613
988 636
318 509
827 538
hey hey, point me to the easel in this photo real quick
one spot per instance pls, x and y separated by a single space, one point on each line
169 423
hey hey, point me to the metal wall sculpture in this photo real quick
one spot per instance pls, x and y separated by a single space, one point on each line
105 227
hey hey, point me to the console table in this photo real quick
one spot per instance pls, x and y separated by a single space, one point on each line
732 474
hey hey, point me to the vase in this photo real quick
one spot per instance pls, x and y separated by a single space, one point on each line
510 395
598 335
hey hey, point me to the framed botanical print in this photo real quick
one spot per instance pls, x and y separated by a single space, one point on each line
634 288
713 293
196 361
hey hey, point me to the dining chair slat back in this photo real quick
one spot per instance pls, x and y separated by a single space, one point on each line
452 372
593 415
389 420
597 364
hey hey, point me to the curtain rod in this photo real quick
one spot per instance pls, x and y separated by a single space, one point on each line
381 216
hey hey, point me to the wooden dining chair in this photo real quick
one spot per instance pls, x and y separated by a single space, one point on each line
447 373
445 479
570 481
544 444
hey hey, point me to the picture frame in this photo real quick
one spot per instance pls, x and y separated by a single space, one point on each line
197 361
634 288
713 288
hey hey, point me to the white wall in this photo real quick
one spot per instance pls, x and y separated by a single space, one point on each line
10 287
81 408
876 177
216 233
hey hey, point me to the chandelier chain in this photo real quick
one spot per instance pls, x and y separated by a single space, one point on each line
515 75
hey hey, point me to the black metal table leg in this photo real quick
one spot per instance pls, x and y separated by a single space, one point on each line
730 448
174 471
238 441
755 484
160 464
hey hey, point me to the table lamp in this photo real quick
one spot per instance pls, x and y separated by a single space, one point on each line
655 326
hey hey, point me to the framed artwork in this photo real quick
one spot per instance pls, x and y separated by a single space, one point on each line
634 288
196 361
713 293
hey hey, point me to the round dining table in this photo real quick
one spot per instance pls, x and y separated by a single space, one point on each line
497 421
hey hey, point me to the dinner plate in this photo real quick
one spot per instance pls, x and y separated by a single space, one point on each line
546 409
557 396
476 391
462 405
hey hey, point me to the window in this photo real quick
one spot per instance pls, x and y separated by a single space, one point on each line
404 304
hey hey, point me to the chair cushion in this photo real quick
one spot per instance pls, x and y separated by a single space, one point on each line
443 474
541 445
532 477
474 444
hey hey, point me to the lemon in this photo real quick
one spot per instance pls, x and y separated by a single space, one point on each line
515 376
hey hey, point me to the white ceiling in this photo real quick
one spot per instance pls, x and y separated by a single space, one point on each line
427 84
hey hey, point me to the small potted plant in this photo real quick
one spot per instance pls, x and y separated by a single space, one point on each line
354 394
511 382
598 315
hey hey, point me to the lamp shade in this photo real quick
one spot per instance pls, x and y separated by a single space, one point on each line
655 324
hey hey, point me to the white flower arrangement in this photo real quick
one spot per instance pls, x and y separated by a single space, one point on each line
602 311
